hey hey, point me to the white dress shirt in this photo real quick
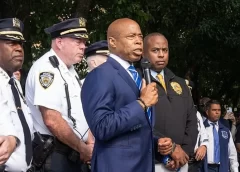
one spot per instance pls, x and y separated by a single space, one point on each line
232 153
54 96
154 74
122 62
10 123
202 138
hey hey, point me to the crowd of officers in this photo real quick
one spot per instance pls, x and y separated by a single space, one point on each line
100 124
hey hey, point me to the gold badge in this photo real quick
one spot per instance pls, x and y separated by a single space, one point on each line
16 23
176 87
46 79
82 22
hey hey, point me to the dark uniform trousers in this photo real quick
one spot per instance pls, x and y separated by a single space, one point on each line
195 166
213 167
59 160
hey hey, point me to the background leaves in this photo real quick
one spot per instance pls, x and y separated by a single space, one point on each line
203 35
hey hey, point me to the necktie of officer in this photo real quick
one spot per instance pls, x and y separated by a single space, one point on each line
216 144
27 133
162 82
138 82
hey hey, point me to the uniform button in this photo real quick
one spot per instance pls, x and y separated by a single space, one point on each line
150 151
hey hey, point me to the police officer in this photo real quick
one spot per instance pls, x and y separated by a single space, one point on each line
221 151
53 93
196 163
96 54
16 122
175 114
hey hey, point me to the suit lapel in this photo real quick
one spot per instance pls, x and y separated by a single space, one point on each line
128 79
124 74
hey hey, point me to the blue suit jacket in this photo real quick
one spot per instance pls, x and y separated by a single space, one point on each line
123 133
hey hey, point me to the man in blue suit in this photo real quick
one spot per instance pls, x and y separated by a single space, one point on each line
115 103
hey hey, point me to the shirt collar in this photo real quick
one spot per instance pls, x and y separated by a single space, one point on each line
154 74
210 123
63 67
4 75
122 62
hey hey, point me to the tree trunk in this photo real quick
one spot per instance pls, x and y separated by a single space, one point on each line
82 8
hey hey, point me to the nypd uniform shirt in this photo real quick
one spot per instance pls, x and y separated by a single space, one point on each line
232 153
45 87
10 123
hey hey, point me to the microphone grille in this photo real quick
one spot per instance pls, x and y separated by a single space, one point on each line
145 63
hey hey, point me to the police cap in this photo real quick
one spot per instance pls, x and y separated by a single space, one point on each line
100 47
11 29
73 28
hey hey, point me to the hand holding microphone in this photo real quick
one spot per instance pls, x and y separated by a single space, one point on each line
149 92
146 65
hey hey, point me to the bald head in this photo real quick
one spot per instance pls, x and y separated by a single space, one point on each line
118 26
125 39
147 39
156 51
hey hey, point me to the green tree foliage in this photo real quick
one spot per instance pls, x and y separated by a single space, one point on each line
203 35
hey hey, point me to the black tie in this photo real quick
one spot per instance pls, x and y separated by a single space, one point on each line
27 134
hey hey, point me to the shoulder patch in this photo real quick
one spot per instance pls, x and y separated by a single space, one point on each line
176 87
46 79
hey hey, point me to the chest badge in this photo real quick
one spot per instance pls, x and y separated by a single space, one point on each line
46 79
176 87
224 134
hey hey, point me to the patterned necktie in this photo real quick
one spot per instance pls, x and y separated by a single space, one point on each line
162 82
138 82
27 133
136 76
216 144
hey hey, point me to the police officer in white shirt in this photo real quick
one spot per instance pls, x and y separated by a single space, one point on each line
15 120
200 149
53 94
221 151
196 163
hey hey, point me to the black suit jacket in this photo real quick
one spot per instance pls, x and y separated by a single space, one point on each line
175 114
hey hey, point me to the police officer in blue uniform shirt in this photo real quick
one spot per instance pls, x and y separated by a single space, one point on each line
15 119
96 54
53 93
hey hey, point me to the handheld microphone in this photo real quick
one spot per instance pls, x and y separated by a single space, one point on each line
2 168
54 61
146 70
